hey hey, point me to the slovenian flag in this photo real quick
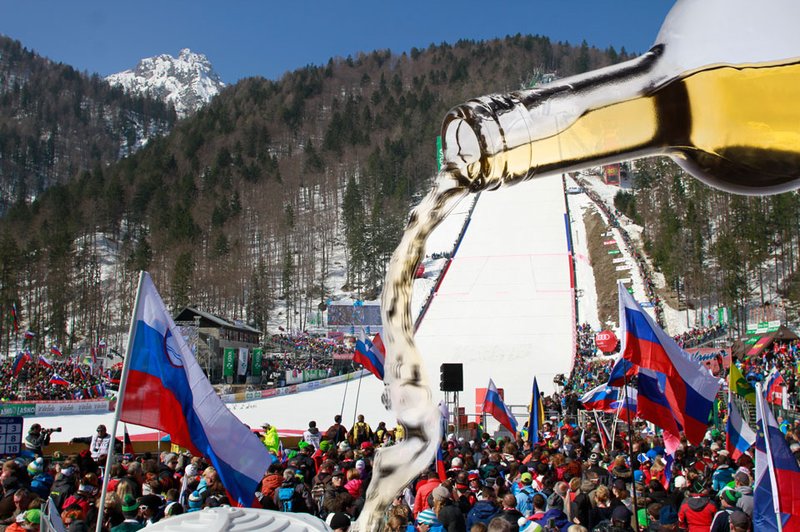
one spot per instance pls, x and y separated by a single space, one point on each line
44 362
19 362
29 334
370 354
690 388
602 398
776 491
164 388
739 437
54 350
621 373
441 470
58 380
493 404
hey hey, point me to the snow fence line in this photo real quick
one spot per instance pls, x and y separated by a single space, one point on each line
102 406
54 408
240 397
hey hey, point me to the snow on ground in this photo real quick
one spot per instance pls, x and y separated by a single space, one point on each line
504 310
584 274
505 307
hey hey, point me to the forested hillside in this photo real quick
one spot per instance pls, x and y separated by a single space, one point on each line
716 248
56 122
245 202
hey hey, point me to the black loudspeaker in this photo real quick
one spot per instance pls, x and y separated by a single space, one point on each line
452 378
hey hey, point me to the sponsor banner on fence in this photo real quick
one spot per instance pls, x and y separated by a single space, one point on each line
619 260
343 356
614 252
249 396
17 409
609 242
626 280
293 376
67 408
623 267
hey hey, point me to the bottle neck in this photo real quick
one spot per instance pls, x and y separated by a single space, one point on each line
576 122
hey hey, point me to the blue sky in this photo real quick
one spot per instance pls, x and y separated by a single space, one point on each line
267 38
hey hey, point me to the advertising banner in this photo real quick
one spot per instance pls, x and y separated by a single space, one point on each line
17 409
258 355
229 361
244 354
66 408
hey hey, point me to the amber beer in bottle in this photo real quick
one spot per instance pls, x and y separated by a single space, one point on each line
734 125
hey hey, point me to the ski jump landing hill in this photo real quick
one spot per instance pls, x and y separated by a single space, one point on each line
505 309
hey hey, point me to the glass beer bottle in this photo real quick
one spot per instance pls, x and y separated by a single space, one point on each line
719 93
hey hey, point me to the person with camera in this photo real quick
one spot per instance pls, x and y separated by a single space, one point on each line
38 438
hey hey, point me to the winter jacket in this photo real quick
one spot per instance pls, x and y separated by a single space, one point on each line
745 503
63 487
451 518
268 486
482 512
696 514
424 489
312 437
721 477
271 440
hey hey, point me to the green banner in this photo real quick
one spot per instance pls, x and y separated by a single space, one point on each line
439 154
613 252
258 354
17 409
229 362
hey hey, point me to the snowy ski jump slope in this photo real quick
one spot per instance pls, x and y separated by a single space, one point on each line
504 309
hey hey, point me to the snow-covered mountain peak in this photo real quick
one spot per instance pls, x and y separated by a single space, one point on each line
188 81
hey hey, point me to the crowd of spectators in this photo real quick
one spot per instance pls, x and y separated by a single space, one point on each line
784 357
700 335
613 216
33 381
568 481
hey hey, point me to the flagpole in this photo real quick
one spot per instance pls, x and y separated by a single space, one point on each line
123 380
770 470
358 393
631 458
616 416
599 429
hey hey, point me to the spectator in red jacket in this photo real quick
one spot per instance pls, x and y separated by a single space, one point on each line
424 489
696 513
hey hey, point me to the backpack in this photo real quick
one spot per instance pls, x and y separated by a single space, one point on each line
286 498
525 506
360 434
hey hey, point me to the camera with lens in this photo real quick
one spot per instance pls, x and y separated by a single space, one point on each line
50 431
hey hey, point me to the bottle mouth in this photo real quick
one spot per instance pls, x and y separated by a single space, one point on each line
461 148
